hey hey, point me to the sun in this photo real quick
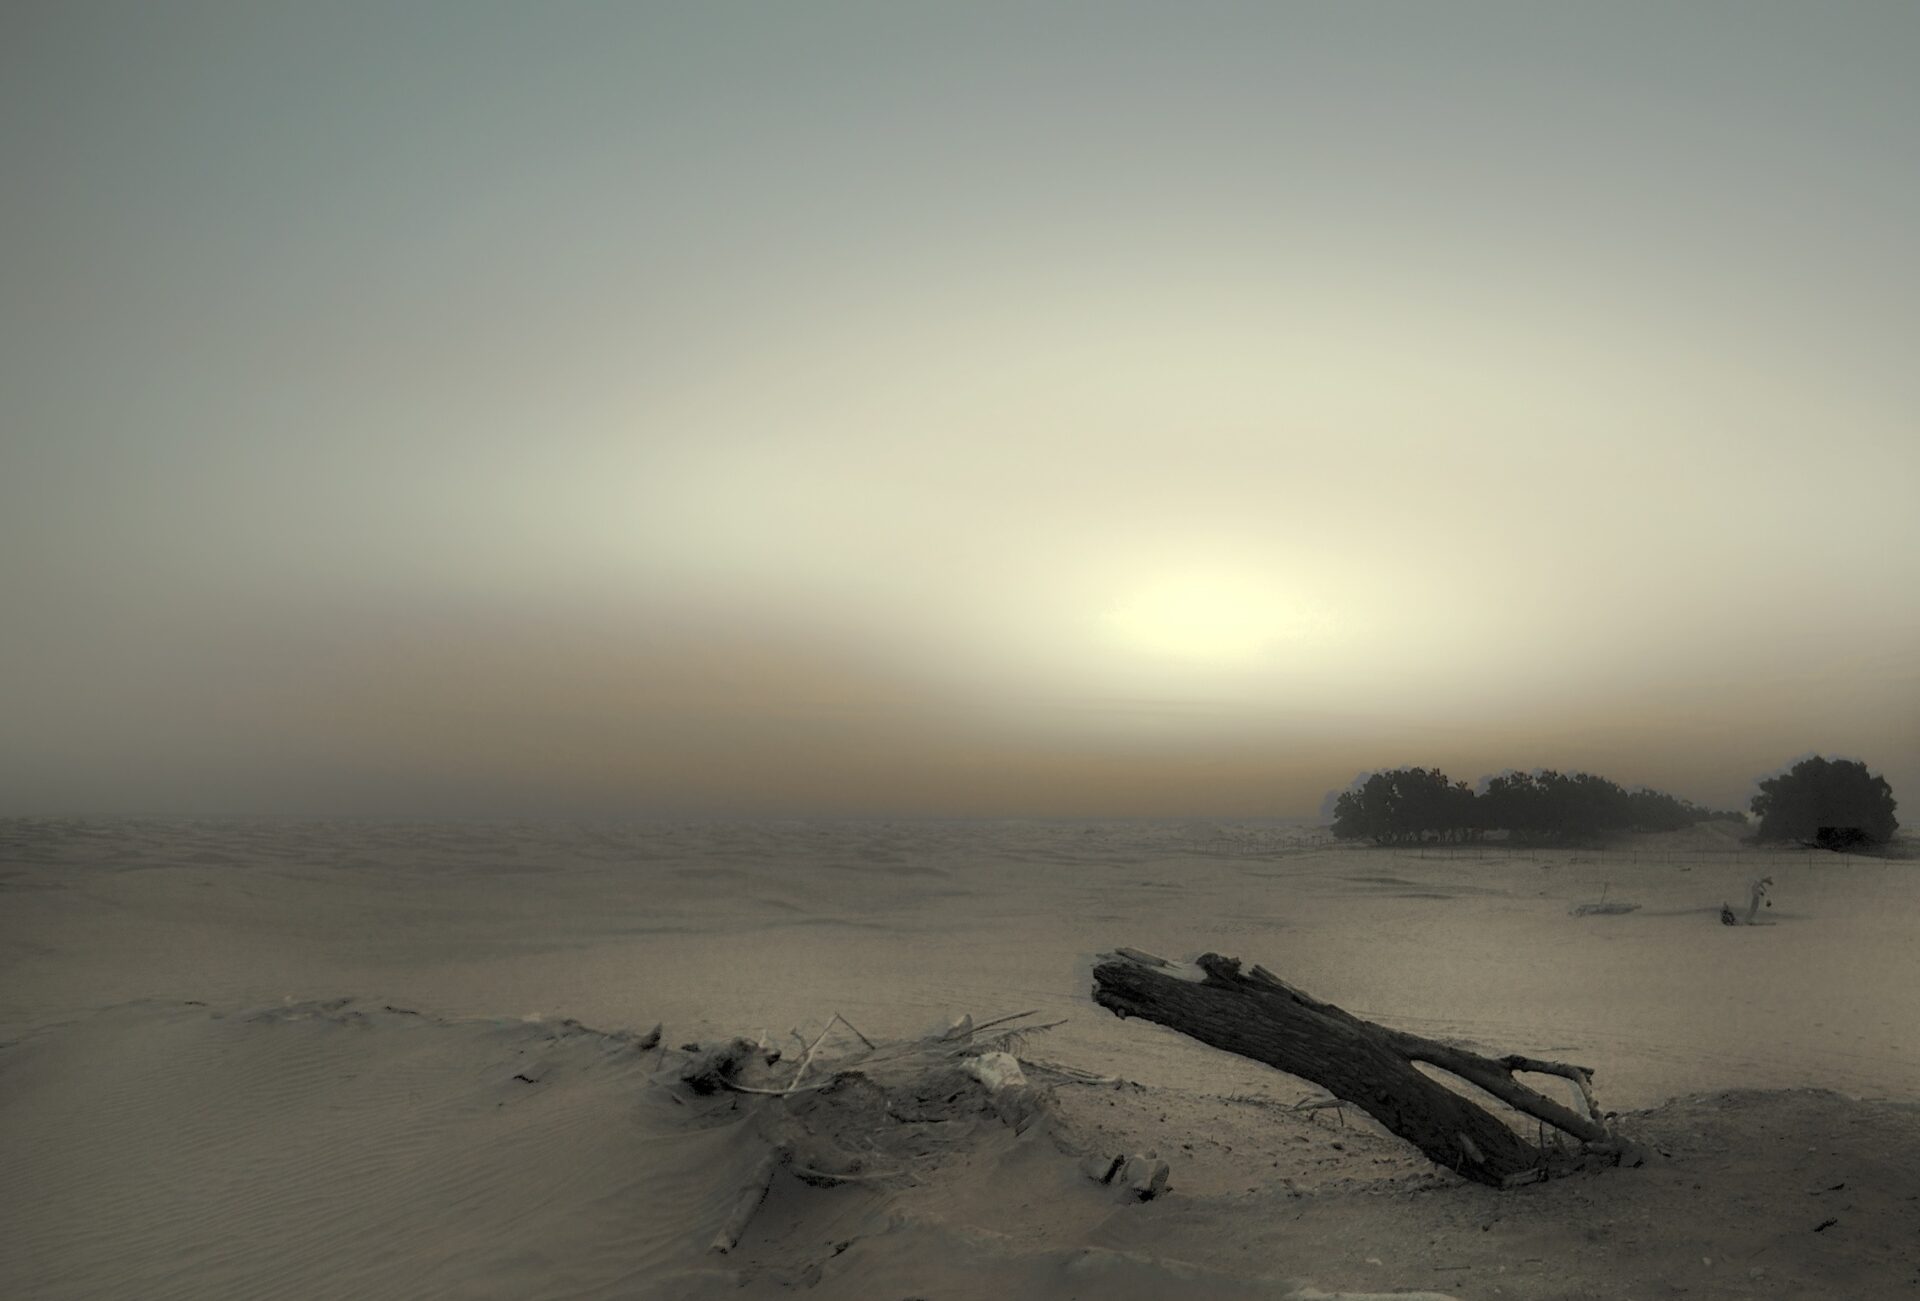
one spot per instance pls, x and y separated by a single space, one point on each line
1211 620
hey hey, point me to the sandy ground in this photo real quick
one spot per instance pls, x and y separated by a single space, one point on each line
255 1059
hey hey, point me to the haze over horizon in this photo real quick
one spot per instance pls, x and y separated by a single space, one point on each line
458 409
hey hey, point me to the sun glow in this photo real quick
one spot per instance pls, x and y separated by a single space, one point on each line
1213 620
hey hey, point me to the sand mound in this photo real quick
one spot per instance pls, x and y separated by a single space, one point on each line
330 1149
334 1149
151 1146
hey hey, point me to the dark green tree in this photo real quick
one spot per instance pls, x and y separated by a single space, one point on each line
1516 803
1820 792
1405 806
1652 810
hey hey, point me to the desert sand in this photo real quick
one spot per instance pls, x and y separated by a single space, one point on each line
270 1059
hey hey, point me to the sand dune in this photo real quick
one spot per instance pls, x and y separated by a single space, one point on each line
333 1150
310 1060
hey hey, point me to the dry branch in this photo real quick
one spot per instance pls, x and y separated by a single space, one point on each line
752 1193
806 1058
824 1157
1255 1014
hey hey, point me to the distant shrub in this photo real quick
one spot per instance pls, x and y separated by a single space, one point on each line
1406 806
1837 796
1412 805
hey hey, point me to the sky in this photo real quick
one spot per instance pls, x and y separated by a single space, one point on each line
461 409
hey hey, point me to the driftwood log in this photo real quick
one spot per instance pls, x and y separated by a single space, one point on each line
1255 1014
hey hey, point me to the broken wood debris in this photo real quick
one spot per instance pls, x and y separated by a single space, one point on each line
1255 1014
843 1148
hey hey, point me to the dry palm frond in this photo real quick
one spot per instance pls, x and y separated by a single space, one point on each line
962 1039
1008 1040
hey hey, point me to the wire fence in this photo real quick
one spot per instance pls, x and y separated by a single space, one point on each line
1796 855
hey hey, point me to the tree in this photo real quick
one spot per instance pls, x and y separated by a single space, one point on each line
1820 792
1403 806
1516 802
1406 806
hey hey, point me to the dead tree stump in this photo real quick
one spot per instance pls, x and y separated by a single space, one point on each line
1254 1014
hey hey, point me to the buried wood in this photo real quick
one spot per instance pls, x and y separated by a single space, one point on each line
1255 1014
853 1115
747 1202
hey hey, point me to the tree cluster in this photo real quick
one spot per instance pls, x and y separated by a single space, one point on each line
1823 800
1413 805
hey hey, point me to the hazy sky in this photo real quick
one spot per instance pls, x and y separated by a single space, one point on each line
1077 409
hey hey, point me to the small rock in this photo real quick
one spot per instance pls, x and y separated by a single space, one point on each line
1153 1183
996 1070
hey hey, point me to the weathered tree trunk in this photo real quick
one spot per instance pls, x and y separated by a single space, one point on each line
1254 1014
